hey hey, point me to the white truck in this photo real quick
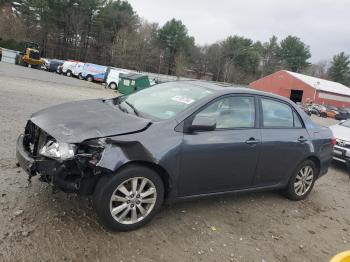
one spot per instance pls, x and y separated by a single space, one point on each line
113 77
78 69
73 68
68 66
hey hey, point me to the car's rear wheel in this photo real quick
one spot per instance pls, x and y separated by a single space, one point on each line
129 199
302 182
113 86
69 73
89 78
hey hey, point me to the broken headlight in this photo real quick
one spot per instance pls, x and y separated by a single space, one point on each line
57 150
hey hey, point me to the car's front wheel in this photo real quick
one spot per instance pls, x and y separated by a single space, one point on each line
128 199
302 182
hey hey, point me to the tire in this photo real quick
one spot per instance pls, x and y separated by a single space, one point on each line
296 193
69 73
107 187
89 78
17 59
113 86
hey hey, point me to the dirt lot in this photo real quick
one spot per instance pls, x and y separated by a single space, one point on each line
39 226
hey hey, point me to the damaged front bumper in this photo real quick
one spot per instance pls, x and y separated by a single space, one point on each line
24 159
71 176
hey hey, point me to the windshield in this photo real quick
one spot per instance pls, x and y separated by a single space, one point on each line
164 101
346 123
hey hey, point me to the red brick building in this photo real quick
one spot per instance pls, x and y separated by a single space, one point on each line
303 88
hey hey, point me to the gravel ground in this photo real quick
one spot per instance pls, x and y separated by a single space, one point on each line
37 225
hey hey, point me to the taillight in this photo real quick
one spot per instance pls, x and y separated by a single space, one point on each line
334 141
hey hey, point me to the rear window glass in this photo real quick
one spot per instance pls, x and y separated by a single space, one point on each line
276 114
297 122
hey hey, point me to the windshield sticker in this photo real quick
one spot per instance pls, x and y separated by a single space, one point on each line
182 99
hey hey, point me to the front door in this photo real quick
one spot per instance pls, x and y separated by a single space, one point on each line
226 158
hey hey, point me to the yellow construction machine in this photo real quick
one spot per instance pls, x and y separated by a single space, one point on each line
30 57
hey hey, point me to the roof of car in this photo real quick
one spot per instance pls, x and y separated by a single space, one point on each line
226 88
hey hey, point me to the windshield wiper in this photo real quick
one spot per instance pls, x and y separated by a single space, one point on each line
132 107
122 109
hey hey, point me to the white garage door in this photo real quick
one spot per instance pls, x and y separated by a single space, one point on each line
334 97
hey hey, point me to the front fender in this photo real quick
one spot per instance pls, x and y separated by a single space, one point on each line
118 153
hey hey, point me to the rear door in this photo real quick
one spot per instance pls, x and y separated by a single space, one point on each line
285 142
226 158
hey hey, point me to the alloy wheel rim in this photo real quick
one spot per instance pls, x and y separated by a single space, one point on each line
303 180
133 200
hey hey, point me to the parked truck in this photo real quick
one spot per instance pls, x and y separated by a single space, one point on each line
68 67
113 77
93 72
30 56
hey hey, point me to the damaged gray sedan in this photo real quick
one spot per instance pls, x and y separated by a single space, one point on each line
174 141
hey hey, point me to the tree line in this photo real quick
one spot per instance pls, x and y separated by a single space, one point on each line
111 33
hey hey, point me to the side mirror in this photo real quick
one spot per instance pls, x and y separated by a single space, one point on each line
203 123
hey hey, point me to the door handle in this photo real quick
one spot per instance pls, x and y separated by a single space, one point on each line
252 141
302 139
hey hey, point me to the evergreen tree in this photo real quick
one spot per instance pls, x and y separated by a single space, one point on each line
294 54
270 60
174 40
340 69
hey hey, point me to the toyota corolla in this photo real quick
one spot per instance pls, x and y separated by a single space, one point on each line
177 140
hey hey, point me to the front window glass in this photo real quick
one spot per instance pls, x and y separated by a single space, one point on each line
232 112
166 100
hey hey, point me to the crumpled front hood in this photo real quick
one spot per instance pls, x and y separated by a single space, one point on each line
75 122
341 132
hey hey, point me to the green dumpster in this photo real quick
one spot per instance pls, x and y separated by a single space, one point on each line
130 83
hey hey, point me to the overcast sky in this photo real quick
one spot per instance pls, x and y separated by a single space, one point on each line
324 25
